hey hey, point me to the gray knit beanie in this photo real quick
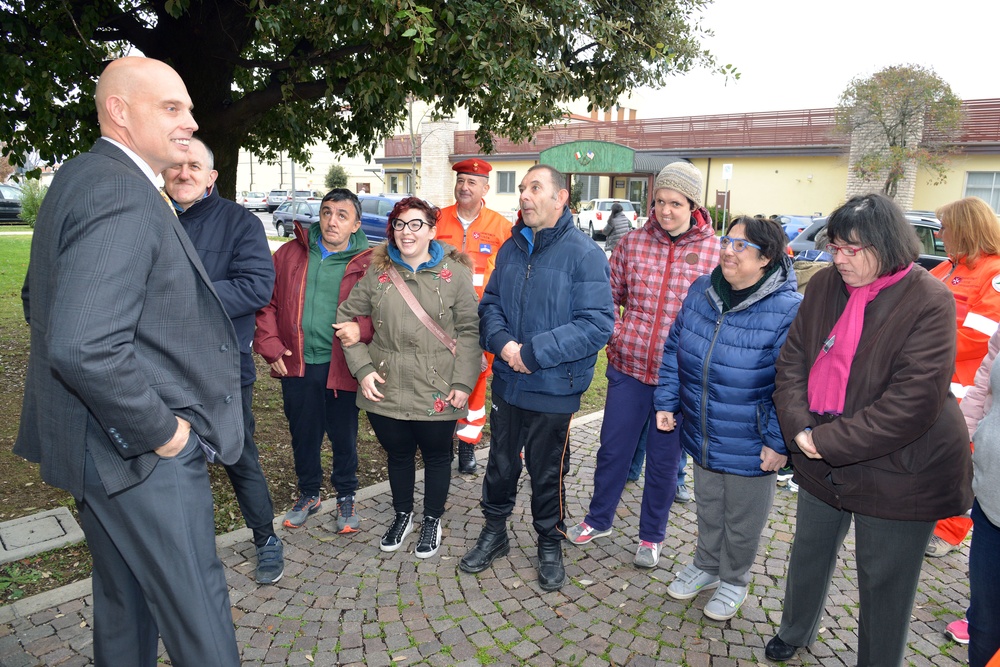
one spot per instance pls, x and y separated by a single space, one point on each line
683 177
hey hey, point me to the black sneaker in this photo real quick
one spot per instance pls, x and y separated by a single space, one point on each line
430 537
401 526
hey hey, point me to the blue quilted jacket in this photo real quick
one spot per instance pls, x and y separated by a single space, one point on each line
718 371
554 299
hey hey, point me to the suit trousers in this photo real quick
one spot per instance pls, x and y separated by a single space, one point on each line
889 555
544 437
627 408
732 513
156 570
248 480
312 409
400 440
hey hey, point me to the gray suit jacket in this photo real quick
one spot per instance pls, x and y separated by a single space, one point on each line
126 331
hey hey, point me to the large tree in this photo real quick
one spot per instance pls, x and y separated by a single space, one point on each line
902 117
278 75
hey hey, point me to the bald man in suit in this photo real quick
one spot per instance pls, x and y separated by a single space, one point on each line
134 378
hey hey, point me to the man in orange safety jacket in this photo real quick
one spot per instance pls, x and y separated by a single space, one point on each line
478 231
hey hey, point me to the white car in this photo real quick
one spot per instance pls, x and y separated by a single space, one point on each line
594 215
254 201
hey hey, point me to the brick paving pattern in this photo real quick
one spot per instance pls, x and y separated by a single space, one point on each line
344 602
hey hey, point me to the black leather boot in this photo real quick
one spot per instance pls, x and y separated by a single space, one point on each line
466 458
551 573
491 545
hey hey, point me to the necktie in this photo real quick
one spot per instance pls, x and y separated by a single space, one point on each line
170 204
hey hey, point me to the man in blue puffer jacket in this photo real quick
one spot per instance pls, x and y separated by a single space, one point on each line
545 314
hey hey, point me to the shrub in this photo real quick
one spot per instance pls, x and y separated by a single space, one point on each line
336 177
33 192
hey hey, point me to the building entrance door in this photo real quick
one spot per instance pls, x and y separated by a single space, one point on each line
637 195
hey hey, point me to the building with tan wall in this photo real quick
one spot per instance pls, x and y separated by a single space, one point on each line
788 162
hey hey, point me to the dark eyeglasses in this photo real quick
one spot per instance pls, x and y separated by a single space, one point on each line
848 250
739 245
413 225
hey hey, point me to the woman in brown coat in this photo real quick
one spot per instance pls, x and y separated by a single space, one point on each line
875 434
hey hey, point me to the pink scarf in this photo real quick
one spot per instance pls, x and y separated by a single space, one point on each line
829 373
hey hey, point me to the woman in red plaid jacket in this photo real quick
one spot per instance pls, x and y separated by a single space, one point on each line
651 271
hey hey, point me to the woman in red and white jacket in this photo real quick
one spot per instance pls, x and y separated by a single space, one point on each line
651 271
971 235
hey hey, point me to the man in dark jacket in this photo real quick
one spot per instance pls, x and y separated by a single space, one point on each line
545 314
233 247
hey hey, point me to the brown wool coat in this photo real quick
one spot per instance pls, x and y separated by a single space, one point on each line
901 449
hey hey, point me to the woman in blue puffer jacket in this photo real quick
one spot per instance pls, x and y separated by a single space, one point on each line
718 370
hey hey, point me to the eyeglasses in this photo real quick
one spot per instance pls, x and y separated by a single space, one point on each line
413 225
848 250
739 245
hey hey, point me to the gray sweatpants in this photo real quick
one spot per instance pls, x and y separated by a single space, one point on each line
732 513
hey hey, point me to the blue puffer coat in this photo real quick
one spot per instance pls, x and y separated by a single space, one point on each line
719 370
556 302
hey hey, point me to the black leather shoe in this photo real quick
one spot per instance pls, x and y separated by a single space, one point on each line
778 650
490 546
551 573
466 458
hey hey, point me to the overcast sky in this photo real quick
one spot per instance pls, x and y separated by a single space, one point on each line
801 54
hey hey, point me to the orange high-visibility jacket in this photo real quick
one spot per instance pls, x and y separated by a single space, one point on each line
977 301
481 241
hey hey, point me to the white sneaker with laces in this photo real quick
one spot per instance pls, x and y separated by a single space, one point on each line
583 532
647 555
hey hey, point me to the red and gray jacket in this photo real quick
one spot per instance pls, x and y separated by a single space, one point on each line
650 276
279 323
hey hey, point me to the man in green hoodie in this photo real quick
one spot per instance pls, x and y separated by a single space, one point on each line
295 334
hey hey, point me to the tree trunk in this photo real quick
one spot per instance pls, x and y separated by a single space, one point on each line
226 147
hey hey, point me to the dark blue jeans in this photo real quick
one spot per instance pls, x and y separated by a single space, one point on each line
984 589
312 409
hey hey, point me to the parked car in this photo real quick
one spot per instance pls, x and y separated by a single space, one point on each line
254 201
375 211
290 212
594 214
276 198
10 202
928 230
793 224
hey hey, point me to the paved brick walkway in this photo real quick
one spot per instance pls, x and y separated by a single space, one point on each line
344 602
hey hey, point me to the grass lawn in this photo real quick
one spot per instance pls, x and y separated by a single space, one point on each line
23 493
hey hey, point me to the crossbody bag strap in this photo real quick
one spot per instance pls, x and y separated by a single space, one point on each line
419 311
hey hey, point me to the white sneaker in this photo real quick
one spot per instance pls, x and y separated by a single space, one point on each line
690 581
647 555
726 602
583 532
